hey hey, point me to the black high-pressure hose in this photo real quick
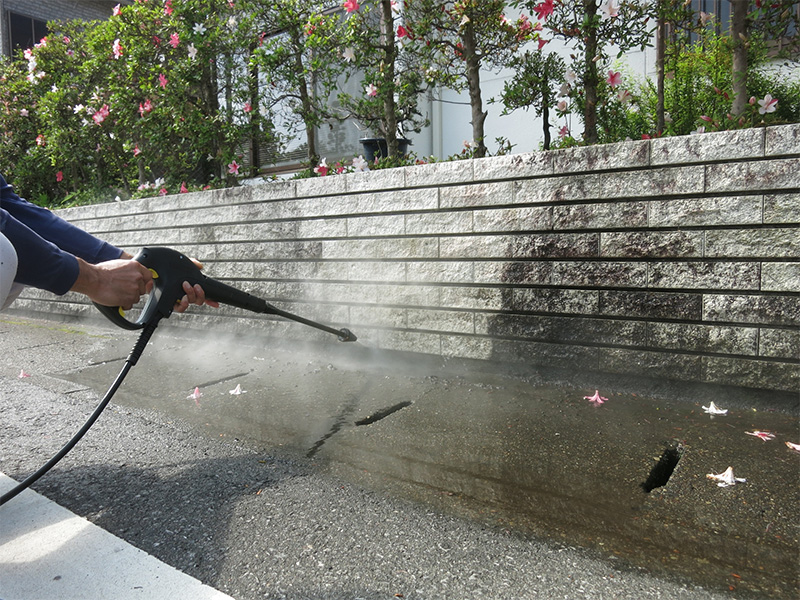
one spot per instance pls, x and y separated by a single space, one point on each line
132 359
170 269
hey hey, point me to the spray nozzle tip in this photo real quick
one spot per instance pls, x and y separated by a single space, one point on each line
345 335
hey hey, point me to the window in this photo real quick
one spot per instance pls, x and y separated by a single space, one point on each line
24 31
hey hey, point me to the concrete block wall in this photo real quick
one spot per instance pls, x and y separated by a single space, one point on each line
674 258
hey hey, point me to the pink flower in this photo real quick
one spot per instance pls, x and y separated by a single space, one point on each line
40 141
351 5
767 105
59 176
609 11
402 32
174 40
322 168
614 78
100 115
525 27
248 107
146 107
117 48
136 150
168 7
597 399
184 189
371 90
115 11
233 168
542 42
543 9
162 80
563 132
162 191
624 96
706 118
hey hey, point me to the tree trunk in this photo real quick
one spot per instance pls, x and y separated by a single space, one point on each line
306 106
590 78
474 85
255 118
388 72
739 37
661 42
546 111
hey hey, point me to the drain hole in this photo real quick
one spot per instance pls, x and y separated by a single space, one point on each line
382 414
660 474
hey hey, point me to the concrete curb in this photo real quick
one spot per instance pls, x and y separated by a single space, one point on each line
47 551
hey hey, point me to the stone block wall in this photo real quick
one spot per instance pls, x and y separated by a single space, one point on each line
674 258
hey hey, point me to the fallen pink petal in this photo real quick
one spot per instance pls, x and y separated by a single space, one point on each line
726 478
763 435
23 374
597 399
713 409
793 446
237 390
195 395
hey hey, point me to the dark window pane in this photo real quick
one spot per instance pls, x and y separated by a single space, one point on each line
39 30
24 31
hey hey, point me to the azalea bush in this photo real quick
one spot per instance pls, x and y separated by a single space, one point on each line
537 74
592 30
376 46
456 40
695 94
167 96
159 93
304 63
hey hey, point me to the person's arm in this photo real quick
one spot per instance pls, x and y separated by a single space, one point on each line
40 263
57 256
61 233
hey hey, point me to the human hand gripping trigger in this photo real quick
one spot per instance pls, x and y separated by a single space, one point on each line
122 282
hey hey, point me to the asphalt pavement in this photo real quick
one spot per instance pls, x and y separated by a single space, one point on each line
330 476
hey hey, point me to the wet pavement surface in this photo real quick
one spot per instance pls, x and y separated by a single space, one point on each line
520 456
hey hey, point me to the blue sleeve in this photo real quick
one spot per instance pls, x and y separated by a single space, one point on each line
47 245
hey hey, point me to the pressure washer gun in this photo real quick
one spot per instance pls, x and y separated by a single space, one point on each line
170 269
